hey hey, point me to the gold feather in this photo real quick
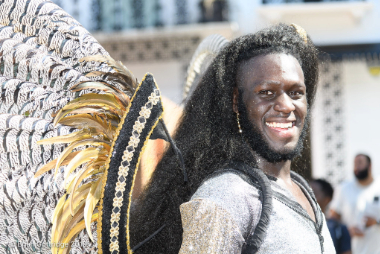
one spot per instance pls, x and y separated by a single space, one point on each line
58 208
55 218
64 139
49 166
116 65
74 220
79 201
85 120
82 174
95 99
102 86
96 168
99 110
91 201
91 169
79 227
97 116
106 101
123 80
67 151
81 158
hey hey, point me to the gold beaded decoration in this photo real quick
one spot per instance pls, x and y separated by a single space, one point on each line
124 168
238 122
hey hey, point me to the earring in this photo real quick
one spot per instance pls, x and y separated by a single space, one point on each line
238 122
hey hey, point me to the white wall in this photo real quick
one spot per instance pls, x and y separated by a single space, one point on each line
360 119
362 105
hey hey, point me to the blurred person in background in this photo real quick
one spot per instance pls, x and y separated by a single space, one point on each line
356 204
323 192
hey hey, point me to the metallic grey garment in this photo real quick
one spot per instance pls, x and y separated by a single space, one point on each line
225 209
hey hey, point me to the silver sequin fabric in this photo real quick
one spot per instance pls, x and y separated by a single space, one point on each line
225 210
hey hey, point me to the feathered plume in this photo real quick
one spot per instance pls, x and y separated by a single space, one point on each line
96 116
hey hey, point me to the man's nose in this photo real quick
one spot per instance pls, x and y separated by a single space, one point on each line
284 104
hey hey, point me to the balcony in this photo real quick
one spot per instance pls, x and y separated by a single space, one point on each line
324 20
342 12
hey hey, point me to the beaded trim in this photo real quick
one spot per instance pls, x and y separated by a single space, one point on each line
134 140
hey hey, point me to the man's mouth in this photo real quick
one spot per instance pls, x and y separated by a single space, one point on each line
278 125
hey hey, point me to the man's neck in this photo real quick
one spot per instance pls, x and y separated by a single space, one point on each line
280 170
366 182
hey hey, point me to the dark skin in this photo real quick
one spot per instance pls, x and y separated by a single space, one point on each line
360 163
274 93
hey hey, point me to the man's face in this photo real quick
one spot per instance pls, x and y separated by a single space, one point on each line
274 96
361 167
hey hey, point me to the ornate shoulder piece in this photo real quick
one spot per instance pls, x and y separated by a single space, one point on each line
143 116
99 177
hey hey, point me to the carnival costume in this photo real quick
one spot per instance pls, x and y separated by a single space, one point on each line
67 148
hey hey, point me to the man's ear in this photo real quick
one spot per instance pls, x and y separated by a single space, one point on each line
235 97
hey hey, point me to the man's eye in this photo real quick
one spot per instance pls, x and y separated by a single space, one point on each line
266 92
296 93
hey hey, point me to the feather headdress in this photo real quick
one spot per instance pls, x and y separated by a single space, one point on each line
73 124
97 117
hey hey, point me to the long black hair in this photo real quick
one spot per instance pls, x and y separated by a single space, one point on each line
208 134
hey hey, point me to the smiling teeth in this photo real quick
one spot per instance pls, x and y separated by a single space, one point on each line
280 125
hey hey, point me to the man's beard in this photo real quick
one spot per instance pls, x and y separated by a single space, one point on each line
257 142
362 174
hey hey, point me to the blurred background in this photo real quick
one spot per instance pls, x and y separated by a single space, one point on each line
160 36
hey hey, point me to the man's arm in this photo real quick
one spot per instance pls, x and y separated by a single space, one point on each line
220 215
354 231
208 228
370 221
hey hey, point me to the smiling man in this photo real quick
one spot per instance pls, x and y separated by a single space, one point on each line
240 130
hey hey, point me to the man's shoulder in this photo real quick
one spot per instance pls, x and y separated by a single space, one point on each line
227 186
232 193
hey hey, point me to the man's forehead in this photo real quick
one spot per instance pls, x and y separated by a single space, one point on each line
268 66
361 157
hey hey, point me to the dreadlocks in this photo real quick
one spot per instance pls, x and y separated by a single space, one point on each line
208 134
